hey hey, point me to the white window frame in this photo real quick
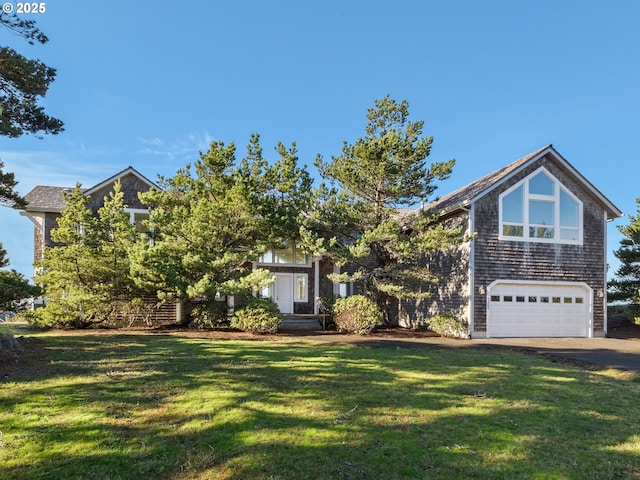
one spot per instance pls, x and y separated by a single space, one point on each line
132 213
526 225
267 291
295 253
305 297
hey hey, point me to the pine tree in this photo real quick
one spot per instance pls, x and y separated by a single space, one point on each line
86 277
22 83
13 286
626 286
212 219
358 217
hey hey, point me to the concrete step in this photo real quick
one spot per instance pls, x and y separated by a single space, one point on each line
306 322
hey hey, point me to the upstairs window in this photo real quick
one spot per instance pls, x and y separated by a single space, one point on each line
540 209
288 254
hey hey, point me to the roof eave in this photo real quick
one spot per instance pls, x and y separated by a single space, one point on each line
612 211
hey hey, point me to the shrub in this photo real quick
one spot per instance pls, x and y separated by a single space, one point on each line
257 315
448 325
210 315
356 314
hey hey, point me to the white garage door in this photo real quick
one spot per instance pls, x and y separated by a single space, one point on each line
540 310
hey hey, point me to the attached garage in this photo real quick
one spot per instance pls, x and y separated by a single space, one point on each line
539 309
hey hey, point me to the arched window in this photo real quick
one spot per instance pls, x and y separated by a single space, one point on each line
540 209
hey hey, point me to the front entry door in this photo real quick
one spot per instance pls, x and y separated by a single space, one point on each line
283 292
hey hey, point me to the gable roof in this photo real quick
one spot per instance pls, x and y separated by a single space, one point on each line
45 198
465 196
123 173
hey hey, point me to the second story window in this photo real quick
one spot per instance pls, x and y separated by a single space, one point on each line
288 254
540 209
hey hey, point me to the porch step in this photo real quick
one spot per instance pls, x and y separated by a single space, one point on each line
301 322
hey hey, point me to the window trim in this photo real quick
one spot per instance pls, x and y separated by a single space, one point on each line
295 253
526 225
305 296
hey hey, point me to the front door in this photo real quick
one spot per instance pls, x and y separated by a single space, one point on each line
283 292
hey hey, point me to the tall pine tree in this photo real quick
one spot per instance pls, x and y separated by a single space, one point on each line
212 219
358 218
625 287
86 277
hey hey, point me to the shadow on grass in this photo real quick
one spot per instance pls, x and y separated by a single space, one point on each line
129 407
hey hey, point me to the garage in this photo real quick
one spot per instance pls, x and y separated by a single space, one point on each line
538 310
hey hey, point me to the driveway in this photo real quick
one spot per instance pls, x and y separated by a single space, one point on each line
617 353
621 350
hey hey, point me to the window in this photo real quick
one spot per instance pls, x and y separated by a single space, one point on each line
138 217
288 254
300 288
540 209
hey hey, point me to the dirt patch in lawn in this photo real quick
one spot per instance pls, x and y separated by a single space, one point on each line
19 356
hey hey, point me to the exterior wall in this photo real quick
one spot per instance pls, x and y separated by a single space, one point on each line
326 285
130 185
451 293
515 260
42 239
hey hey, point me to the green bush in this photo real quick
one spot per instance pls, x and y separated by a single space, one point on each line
448 325
356 314
210 315
257 315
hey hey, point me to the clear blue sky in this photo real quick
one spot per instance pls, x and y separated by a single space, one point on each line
152 83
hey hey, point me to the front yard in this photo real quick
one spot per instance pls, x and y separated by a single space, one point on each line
113 406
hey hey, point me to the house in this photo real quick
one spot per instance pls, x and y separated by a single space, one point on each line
536 266
538 263
46 203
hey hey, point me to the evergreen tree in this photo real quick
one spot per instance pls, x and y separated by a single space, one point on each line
8 196
358 217
86 276
212 219
22 83
13 286
626 286
4 261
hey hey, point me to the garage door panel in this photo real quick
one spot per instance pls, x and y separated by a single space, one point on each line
524 310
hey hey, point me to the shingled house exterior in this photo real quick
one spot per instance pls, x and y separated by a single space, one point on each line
536 266
46 203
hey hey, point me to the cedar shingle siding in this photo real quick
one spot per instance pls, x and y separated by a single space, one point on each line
130 185
451 293
465 273
538 261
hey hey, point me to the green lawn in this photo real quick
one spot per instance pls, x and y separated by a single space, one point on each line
171 407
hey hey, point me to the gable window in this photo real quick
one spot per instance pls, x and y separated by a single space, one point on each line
288 254
540 209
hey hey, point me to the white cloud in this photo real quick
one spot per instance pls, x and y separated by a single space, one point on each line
180 149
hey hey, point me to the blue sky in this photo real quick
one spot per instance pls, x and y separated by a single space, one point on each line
152 83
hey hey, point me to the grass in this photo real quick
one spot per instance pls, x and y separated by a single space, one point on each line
170 407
